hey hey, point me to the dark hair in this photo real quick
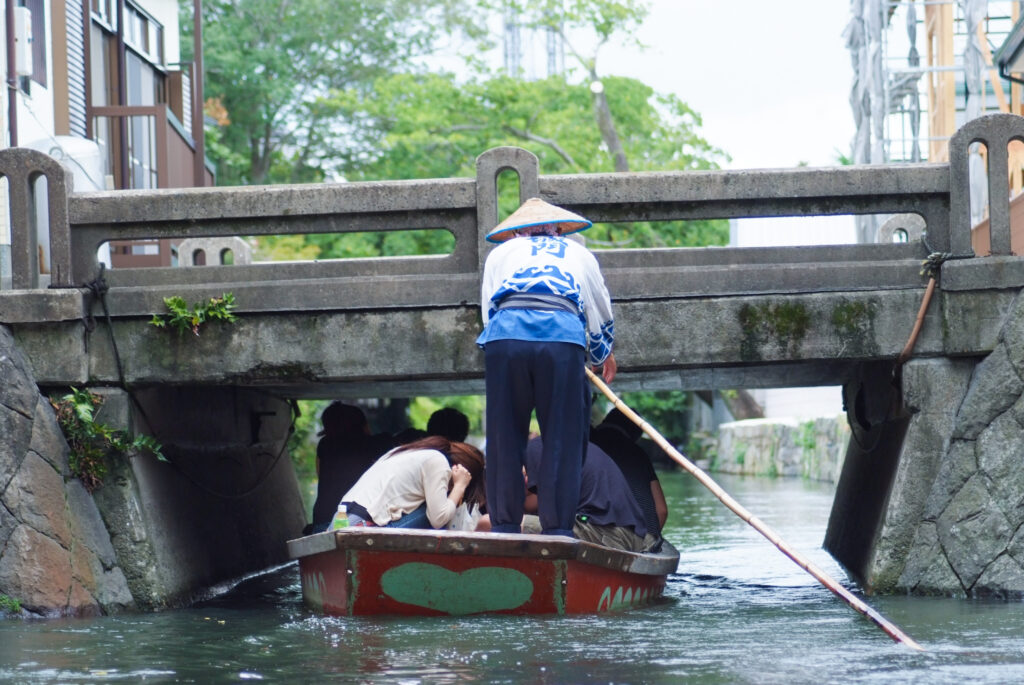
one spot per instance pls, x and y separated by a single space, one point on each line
616 418
407 435
449 422
460 453
343 419
547 228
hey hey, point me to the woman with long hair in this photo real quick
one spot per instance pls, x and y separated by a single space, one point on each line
418 485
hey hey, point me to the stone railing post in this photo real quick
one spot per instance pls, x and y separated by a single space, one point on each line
488 166
21 167
995 131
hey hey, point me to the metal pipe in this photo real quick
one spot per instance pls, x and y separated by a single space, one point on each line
198 136
86 72
122 98
1006 74
12 78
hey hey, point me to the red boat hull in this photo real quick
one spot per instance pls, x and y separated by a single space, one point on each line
435 573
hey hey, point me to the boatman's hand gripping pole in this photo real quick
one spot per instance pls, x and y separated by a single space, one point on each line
759 525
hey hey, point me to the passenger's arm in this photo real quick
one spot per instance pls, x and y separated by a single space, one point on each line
435 476
460 481
660 506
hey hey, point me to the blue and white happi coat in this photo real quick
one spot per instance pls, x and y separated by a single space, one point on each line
546 265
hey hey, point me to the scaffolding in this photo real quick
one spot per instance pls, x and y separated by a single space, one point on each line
527 49
907 105
926 103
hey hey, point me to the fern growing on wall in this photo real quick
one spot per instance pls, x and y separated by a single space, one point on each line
182 318
90 441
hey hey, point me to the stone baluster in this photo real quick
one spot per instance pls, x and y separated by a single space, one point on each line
22 167
488 166
995 131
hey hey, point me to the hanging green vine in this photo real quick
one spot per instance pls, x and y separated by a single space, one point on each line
90 441
9 605
181 318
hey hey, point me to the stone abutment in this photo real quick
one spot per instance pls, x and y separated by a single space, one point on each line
155 533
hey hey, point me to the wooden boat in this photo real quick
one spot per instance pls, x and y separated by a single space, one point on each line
393 571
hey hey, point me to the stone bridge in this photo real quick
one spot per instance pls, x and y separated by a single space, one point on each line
930 491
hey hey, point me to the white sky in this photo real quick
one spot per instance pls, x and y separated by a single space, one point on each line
771 80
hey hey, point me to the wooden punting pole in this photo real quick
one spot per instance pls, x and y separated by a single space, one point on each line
854 602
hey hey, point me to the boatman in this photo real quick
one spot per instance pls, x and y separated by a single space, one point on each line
546 314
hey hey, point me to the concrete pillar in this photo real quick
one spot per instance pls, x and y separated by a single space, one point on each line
222 506
939 511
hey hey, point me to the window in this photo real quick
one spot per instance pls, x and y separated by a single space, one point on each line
146 249
38 10
105 12
144 34
134 166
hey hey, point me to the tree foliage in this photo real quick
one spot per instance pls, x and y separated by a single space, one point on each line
434 126
668 410
598 20
270 64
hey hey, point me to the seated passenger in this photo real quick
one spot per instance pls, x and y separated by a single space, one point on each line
449 423
346 449
418 485
617 436
607 513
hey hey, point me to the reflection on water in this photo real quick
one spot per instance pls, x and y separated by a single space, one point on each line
738 611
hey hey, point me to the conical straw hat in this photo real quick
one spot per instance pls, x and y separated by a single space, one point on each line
536 212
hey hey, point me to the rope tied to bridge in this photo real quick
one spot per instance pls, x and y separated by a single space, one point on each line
930 267
99 289
933 262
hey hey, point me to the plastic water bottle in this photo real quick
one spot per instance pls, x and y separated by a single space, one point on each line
341 518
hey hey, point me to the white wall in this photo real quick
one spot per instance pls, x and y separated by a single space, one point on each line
786 231
800 403
35 109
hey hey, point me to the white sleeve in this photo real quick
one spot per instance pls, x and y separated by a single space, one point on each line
598 311
435 475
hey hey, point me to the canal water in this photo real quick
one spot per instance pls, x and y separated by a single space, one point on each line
737 611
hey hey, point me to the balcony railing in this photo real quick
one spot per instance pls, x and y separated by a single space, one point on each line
146 147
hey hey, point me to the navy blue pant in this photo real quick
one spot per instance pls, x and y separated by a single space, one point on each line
547 376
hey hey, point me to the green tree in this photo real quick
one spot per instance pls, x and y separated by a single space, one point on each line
317 87
434 126
471 405
587 21
270 64
302 446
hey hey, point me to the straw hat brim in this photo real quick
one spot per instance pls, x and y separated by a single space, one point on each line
537 212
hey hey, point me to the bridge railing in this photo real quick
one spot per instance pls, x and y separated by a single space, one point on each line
467 207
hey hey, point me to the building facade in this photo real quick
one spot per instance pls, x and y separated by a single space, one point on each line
101 86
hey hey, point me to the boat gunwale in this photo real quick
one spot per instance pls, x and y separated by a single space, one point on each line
543 548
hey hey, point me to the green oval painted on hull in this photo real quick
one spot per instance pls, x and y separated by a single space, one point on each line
475 591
